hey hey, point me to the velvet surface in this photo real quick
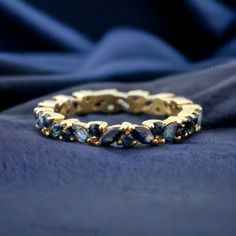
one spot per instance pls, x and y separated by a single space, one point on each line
58 188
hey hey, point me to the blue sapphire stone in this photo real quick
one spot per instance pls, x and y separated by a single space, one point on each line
43 121
127 140
56 130
143 135
94 130
181 132
198 119
170 132
110 136
40 120
158 129
189 126
81 133
68 134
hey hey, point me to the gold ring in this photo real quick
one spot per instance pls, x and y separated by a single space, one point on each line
183 118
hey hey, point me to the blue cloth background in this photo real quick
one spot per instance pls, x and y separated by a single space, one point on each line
57 46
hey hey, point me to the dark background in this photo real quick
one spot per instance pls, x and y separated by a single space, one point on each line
177 36
196 28
59 46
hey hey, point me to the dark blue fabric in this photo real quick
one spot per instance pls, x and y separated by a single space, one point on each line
58 188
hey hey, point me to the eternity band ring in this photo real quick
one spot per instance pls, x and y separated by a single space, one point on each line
182 118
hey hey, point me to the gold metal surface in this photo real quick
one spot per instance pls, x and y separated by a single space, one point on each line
178 109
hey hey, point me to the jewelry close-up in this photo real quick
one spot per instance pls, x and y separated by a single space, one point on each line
183 118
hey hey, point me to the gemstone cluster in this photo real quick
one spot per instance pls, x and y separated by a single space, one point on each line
184 118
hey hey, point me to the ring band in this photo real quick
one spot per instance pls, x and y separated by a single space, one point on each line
184 118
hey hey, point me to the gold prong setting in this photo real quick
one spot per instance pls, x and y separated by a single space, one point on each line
184 118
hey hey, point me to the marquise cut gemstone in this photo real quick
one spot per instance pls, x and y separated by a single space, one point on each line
143 135
40 121
189 126
170 132
81 133
198 119
110 136
56 130
68 134
43 121
158 129
94 130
